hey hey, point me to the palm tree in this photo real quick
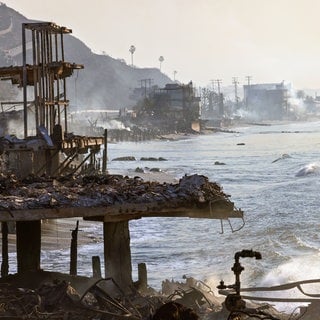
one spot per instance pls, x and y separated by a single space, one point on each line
132 50
161 59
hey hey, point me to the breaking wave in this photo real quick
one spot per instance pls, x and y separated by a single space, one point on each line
311 168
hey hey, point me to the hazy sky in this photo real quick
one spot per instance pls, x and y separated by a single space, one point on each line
270 40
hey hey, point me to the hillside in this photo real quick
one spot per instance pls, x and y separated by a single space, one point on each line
104 82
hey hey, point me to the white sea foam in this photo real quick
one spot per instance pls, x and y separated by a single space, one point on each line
297 269
311 168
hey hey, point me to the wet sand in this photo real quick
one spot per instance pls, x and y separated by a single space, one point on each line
56 234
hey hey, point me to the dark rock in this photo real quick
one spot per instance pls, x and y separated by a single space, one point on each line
217 163
149 159
153 159
128 158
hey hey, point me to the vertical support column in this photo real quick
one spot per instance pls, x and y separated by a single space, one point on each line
24 80
96 267
105 153
5 254
38 98
35 79
64 88
28 245
142 277
117 253
74 250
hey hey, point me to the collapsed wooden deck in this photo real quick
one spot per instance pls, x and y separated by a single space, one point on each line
111 199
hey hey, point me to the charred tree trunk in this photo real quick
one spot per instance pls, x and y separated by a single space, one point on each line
28 245
117 253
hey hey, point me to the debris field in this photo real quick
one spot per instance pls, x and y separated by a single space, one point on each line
107 190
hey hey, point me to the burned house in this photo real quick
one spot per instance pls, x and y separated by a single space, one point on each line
267 101
42 77
174 108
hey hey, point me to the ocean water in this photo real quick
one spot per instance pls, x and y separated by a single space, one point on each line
271 172
280 200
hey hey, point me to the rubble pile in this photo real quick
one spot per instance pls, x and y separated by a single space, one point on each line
59 300
106 190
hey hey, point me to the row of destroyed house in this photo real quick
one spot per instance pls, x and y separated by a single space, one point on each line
183 108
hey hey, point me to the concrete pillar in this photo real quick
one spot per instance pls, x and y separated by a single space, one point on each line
28 245
117 253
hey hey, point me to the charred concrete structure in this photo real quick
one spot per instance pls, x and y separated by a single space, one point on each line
268 101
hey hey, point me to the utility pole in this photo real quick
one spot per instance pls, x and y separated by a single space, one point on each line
235 83
218 81
248 78
212 83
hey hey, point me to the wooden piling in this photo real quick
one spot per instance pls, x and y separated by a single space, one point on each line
105 154
96 267
74 250
5 254
117 254
142 276
28 245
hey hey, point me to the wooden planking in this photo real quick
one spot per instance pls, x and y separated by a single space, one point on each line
114 213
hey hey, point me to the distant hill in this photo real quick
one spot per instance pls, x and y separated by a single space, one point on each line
104 83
